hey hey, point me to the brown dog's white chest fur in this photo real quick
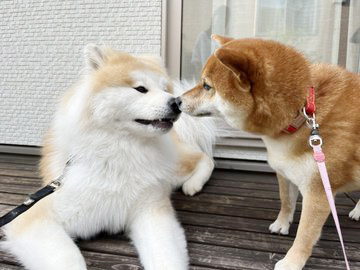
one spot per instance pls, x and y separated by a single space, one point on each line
297 169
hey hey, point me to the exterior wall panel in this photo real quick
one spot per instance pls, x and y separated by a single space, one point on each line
41 44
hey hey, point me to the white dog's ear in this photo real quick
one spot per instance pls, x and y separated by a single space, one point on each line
94 56
152 58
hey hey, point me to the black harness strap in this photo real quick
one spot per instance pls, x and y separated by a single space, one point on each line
33 198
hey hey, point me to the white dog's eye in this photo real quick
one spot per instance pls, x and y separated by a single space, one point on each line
206 86
141 89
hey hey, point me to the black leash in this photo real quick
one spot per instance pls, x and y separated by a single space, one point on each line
31 201
34 198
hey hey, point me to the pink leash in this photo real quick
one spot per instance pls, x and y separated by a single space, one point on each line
315 142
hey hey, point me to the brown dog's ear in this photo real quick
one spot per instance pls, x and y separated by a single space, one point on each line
220 39
238 64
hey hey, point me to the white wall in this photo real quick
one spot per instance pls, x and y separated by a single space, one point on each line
41 44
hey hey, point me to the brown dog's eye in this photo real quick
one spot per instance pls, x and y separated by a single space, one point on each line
206 86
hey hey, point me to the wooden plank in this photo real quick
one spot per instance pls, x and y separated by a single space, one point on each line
242 184
250 212
11 199
238 189
354 196
264 194
19 173
116 251
9 267
253 225
271 185
4 209
206 255
118 244
264 242
15 166
225 238
203 255
236 222
96 261
229 206
243 175
219 257
240 201
241 190
20 181
19 159
231 258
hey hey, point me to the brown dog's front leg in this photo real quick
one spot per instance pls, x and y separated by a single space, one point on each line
315 210
288 196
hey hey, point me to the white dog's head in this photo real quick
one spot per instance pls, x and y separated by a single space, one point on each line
126 92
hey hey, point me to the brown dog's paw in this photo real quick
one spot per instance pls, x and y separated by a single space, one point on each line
284 264
280 227
355 213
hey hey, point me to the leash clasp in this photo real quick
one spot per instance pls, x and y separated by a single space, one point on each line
56 183
310 120
314 139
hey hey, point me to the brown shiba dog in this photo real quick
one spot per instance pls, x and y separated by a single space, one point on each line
261 86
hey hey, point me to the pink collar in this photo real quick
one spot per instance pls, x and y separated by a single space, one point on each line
299 120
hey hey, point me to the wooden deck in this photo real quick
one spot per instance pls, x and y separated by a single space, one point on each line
226 224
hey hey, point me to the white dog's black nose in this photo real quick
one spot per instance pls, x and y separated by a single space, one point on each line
173 104
178 101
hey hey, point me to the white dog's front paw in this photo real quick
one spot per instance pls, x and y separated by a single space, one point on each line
280 226
284 264
355 213
191 187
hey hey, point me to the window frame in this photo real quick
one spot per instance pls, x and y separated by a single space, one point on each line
172 37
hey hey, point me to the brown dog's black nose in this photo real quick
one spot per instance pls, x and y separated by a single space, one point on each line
173 104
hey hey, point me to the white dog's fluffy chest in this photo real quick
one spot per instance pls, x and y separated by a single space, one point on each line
102 189
298 169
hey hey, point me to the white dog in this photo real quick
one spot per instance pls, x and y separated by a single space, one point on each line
115 125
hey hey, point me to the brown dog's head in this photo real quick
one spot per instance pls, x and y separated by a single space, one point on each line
255 85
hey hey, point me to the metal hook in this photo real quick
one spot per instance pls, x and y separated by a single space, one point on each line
310 120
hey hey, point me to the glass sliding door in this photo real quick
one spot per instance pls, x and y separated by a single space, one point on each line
316 27
313 26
